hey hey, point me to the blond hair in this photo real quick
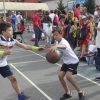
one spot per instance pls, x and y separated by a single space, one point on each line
90 16
70 12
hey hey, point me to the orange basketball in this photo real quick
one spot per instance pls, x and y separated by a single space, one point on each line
53 56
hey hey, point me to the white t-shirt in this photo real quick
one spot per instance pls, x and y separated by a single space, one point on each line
96 12
92 48
5 45
98 37
68 55
52 15
19 18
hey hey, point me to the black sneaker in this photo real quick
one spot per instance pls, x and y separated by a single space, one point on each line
81 96
65 96
97 78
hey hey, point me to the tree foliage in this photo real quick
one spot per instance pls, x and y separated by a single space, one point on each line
90 5
61 6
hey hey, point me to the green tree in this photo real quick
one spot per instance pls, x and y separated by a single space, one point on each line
61 6
90 5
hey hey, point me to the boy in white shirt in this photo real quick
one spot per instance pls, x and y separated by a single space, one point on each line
69 67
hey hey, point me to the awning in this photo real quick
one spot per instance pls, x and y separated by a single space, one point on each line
23 6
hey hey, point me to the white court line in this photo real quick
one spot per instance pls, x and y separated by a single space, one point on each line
38 87
18 50
77 74
31 82
19 56
28 62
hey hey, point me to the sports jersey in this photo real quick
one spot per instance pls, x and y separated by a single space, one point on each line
5 45
75 32
68 56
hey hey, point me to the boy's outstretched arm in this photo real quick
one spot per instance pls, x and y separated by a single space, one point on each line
5 52
29 47
54 48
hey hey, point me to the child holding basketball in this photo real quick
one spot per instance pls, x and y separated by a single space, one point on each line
69 67
6 43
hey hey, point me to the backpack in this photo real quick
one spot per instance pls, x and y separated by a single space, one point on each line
97 62
82 32
55 20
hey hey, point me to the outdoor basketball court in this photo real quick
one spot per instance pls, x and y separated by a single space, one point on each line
39 79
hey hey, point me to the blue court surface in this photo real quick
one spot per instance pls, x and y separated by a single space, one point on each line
39 79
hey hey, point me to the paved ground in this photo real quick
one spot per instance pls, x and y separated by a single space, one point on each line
39 79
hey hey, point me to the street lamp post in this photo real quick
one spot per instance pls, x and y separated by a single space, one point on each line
4 11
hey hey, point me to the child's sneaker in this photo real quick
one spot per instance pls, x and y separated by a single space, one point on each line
65 96
23 96
81 96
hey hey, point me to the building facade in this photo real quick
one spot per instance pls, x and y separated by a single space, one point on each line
52 4
33 1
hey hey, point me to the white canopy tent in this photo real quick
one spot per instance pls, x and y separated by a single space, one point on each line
23 6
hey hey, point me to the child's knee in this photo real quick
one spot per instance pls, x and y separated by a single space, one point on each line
69 77
13 79
61 77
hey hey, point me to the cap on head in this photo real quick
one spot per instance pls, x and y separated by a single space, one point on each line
83 17
18 12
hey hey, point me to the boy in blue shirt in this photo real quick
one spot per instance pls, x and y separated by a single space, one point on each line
6 43
13 20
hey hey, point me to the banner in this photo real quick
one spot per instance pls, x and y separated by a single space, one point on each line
71 5
80 1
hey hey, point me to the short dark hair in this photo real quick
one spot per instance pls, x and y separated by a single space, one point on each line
63 12
97 6
40 10
61 16
46 12
98 9
51 11
22 22
77 5
4 26
57 29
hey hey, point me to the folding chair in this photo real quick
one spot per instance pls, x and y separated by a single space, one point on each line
89 57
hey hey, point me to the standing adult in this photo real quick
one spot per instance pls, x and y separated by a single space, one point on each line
52 15
84 11
37 25
67 23
96 12
19 18
47 25
13 20
98 44
96 19
77 11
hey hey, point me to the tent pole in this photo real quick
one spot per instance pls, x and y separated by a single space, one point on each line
4 10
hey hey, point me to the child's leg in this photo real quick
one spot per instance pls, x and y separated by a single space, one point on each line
83 50
72 81
6 72
63 82
21 95
46 39
72 69
14 84
87 48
